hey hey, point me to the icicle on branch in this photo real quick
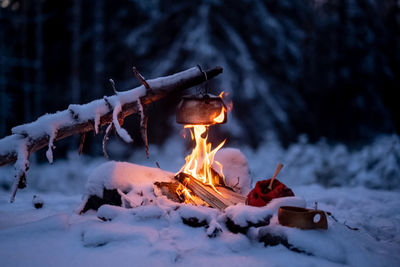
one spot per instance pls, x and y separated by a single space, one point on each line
79 119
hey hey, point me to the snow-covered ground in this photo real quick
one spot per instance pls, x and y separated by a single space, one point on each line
155 235
56 236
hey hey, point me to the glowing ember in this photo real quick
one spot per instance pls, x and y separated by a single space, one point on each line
182 190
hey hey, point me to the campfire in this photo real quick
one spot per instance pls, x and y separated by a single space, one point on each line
212 180
202 176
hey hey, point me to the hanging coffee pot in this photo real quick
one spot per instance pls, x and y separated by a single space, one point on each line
201 108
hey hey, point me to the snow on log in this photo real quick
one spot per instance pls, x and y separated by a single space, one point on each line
120 131
84 118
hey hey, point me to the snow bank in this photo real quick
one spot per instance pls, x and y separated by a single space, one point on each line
244 215
235 169
376 165
124 176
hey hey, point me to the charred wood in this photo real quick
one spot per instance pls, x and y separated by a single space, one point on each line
111 197
169 190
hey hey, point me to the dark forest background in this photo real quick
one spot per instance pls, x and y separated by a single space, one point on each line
325 68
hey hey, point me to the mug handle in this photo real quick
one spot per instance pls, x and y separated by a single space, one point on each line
322 222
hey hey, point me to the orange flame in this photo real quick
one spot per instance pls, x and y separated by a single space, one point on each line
199 162
182 190
220 118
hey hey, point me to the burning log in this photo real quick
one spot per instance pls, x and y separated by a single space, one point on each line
219 200
169 190
234 197
210 196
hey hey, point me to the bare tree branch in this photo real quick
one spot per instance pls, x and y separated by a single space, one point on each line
159 88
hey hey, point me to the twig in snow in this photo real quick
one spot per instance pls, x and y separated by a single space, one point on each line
140 78
158 165
344 223
105 139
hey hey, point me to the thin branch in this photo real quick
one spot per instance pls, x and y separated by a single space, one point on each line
144 118
105 139
113 86
140 78
81 142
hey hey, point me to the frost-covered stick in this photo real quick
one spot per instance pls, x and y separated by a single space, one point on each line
160 87
105 139
84 118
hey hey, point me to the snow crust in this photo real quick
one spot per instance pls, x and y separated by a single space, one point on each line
93 110
46 125
10 143
161 81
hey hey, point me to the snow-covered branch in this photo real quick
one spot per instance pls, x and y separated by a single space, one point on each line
83 118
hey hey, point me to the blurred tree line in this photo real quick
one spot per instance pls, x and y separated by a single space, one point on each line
325 68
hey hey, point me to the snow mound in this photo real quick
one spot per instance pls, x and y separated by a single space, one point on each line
235 169
244 215
124 176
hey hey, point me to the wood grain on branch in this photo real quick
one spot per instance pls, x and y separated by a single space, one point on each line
159 88
217 200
